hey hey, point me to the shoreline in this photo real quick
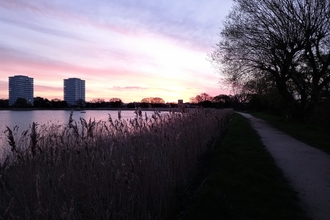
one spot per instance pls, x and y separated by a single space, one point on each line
86 109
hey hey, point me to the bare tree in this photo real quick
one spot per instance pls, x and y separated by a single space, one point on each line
153 100
283 41
98 100
201 98
115 100
192 100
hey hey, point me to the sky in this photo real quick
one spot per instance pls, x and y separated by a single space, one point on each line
128 49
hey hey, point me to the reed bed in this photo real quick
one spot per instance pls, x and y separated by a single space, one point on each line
115 169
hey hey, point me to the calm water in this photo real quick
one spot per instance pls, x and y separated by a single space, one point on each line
24 119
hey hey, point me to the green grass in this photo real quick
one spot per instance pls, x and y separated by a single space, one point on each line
312 134
240 181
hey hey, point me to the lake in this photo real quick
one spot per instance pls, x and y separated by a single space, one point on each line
24 119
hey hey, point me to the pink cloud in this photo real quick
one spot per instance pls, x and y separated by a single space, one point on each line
42 68
120 88
65 15
129 27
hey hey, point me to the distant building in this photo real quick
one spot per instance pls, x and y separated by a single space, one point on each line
74 91
20 87
180 103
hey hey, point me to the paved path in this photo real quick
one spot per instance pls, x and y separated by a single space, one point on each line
305 167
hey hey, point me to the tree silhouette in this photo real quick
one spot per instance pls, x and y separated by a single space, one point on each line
21 103
4 103
81 103
58 103
153 100
97 100
282 41
201 98
40 102
116 102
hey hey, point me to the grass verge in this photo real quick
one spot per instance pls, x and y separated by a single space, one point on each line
240 181
311 134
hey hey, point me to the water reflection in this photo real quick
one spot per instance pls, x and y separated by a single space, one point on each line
24 119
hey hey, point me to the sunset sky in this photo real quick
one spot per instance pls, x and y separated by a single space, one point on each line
129 49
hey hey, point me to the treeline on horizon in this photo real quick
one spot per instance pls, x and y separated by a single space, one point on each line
245 100
202 100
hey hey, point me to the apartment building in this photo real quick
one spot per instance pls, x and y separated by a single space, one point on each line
74 90
20 87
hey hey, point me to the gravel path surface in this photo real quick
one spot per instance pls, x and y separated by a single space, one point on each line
305 167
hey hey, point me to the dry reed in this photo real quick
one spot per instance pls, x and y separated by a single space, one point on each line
115 169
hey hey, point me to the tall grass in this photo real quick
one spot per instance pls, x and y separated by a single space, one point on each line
115 169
